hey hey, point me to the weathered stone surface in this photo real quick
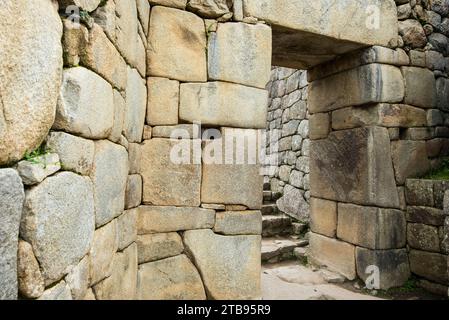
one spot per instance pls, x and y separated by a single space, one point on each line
58 221
184 131
323 217
127 228
420 87
385 115
103 248
223 104
210 8
228 160
37 169
11 202
154 219
152 247
143 10
432 266
78 279
238 222
160 159
250 61
58 292
173 278
393 266
412 33
75 154
354 166
229 265
109 175
134 158
443 94
177 42
75 112
371 83
425 215
119 117
371 227
179 4
293 203
122 284
414 165
136 106
31 282
319 125
338 256
133 194
87 5
419 192
423 237
163 101
29 90
92 49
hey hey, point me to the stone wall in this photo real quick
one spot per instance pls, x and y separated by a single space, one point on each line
287 143
427 232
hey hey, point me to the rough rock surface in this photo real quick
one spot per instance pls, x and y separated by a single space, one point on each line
31 281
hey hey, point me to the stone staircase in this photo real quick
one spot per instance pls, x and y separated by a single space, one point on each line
283 238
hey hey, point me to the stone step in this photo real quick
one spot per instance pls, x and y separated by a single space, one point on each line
273 225
269 209
279 249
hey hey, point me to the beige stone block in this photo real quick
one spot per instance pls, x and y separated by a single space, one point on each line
133 194
174 278
238 222
420 87
168 179
229 265
157 246
338 256
153 219
323 217
414 164
163 101
103 248
177 42
371 83
127 228
250 61
223 104
371 227
179 4
319 124
136 106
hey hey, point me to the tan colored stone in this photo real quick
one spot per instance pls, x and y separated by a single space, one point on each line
229 265
179 4
185 131
323 217
177 42
134 158
109 176
31 281
233 184
319 125
371 227
119 117
238 222
143 10
152 219
338 256
161 186
420 87
87 5
163 101
133 194
386 115
354 166
371 83
61 291
414 164
170 279
78 279
223 104
75 114
250 61
127 228
102 252
136 106
30 70
122 284
209 8
152 247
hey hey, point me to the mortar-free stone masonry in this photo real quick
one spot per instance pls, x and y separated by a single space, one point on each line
91 91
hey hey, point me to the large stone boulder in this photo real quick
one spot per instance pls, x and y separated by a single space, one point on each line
58 221
11 202
30 74
174 278
229 265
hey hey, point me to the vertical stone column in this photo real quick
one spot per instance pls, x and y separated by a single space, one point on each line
357 110
199 227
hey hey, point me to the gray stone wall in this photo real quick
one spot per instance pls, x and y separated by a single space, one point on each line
287 143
